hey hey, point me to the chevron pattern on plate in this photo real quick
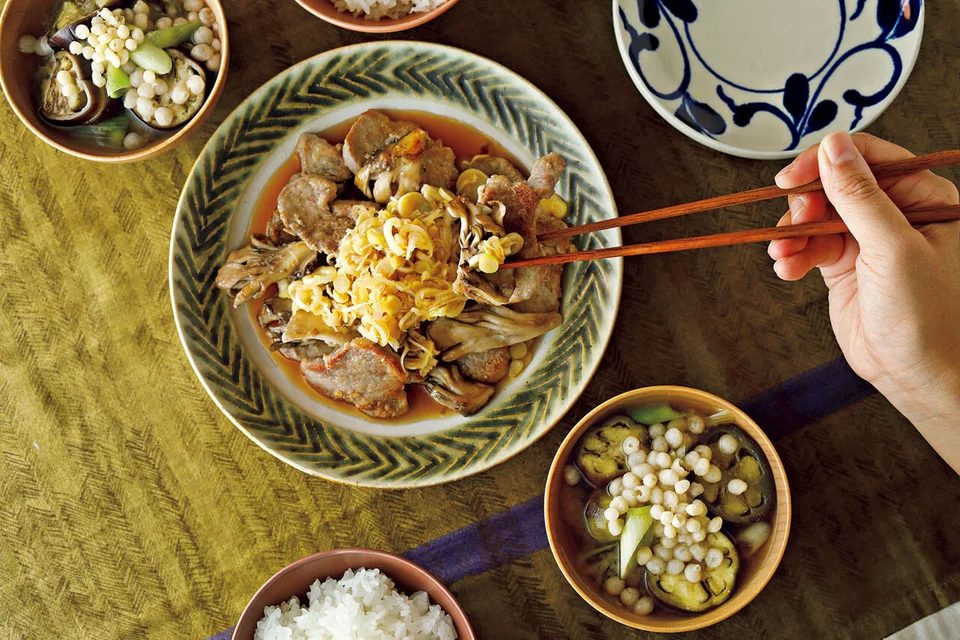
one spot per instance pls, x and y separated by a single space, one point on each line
353 75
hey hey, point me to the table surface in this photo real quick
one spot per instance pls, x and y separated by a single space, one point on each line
132 508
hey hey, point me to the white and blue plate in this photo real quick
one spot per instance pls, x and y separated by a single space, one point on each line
768 78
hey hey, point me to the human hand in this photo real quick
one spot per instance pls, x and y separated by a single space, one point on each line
894 290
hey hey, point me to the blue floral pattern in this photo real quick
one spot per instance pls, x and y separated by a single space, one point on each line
801 106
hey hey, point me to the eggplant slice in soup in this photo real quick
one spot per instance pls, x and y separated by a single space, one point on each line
600 455
72 15
87 105
746 464
714 589
184 69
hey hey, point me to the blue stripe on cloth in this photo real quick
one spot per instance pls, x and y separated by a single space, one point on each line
520 530
484 545
806 398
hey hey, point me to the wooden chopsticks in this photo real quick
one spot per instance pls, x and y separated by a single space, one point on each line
918 217
883 170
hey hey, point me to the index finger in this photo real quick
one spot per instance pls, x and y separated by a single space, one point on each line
804 169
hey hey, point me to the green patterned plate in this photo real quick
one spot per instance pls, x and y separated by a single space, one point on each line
214 213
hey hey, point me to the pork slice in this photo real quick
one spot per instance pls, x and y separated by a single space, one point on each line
535 289
489 366
371 132
319 157
364 374
276 230
493 166
546 173
547 223
520 201
438 167
538 288
304 206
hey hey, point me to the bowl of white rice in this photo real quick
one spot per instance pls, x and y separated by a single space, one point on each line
353 593
377 16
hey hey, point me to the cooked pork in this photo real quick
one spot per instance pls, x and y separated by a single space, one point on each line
449 388
364 374
493 166
304 206
546 173
371 133
395 158
531 289
537 289
481 328
437 168
276 230
490 366
546 224
521 202
249 271
319 157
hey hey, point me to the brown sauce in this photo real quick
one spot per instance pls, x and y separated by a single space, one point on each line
465 142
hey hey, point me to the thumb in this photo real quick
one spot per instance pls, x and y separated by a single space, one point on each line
853 191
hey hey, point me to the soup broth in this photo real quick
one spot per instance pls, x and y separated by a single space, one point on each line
667 509
119 75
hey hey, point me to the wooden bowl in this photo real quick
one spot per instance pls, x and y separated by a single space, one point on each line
325 10
18 71
295 580
755 572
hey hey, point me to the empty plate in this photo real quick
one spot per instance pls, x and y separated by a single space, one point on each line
768 78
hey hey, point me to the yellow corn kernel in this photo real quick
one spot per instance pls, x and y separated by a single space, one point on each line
516 366
487 263
410 203
396 262
469 182
518 351
555 206
374 237
391 304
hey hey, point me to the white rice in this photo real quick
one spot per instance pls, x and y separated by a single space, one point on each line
361 605
376 9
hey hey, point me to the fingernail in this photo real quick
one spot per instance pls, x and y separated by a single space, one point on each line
783 172
839 148
797 204
777 268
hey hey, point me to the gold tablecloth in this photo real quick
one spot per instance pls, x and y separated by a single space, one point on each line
131 508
